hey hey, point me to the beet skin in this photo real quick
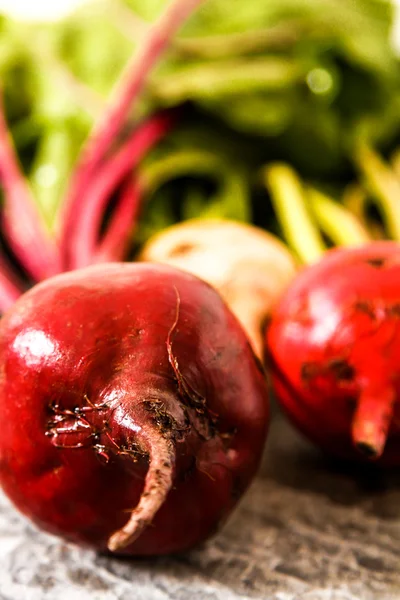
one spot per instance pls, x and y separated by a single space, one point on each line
134 412
333 347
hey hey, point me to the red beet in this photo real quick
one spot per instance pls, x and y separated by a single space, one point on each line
134 412
334 352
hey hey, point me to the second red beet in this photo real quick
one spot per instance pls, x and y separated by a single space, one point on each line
333 349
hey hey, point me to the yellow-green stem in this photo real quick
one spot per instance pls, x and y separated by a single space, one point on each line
336 221
382 183
395 162
289 201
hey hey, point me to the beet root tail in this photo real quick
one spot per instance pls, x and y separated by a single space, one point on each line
158 483
372 419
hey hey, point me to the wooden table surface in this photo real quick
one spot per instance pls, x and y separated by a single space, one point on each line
308 529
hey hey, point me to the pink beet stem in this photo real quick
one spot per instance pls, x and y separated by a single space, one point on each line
21 222
115 242
158 483
83 238
372 419
125 93
10 288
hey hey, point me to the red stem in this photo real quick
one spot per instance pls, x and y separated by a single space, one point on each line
124 94
10 288
372 419
20 219
115 242
80 247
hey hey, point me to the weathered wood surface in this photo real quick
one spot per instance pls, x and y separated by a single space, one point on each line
308 529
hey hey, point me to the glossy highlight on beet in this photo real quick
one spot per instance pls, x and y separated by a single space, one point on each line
134 412
333 349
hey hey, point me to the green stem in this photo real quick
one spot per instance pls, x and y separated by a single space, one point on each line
383 184
288 198
230 201
280 36
225 77
51 168
179 163
336 221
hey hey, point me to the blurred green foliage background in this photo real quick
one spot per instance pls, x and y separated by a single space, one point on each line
300 81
